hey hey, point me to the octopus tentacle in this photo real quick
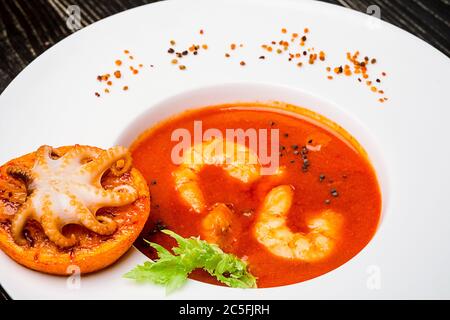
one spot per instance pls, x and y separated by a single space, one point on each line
53 231
21 173
108 159
43 154
19 221
117 198
122 166
81 154
101 225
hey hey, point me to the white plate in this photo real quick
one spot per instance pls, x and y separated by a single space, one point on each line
52 102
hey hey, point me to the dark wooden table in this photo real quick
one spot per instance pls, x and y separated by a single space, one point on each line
29 27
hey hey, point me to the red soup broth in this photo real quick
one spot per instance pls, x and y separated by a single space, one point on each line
339 177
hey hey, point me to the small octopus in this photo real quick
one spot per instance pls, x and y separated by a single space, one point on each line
67 189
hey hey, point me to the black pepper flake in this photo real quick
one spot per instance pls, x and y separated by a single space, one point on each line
321 177
310 141
153 182
171 50
286 135
185 53
159 225
262 57
334 193
304 151
195 53
296 152
272 123
294 146
327 201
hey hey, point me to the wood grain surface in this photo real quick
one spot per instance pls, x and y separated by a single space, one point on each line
29 27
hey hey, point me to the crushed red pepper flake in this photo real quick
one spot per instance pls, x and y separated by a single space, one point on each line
360 67
357 67
322 56
117 74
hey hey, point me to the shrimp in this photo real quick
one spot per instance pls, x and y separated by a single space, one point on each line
217 224
237 160
271 229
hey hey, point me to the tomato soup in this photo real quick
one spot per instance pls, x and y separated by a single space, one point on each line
324 170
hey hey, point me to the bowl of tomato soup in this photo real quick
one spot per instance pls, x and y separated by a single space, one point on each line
292 185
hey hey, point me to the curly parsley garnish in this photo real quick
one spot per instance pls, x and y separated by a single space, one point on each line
172 270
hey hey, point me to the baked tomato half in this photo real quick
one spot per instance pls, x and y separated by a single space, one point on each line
71 207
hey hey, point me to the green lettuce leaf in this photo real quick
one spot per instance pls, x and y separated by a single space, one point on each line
172 270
